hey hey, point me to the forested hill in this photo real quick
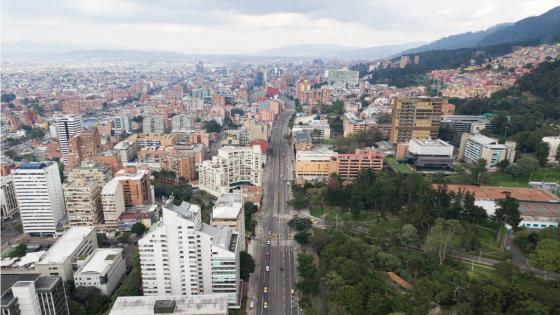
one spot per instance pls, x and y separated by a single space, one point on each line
440 59
532 105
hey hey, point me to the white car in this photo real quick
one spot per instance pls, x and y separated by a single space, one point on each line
268 242
267 268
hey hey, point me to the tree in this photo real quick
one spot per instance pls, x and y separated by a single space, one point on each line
478 169
547 255
527 165
503 165
508 211
541 153
300 224
212 126
408 234
301 238
8 97
246 265
138 228
19 251
440 238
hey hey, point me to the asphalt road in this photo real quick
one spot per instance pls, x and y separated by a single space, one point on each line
280 255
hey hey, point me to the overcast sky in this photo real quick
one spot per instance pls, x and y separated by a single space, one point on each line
237 26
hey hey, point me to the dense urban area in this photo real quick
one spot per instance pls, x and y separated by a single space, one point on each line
423 183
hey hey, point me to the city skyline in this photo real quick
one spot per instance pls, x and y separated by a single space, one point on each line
248 27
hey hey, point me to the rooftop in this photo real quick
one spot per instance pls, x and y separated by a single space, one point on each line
100 260
8 280
185 209
228 206
540 209
206 304
431 143
110 188
66 245
34 165
484 140
494 192
221 235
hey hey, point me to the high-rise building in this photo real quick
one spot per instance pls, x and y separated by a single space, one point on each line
415 118
83 147
112 199
183 256
231 167
200 68
121 123
83 202
33 294
182 123
154 124
91 171
40 198
8 199
66 127
228 211
136 186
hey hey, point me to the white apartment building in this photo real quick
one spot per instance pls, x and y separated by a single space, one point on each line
8 199
318 129
66 127
126 150
228 211
342 78
180 255
40 198
553 147
103 269
89 171
477 146
121 123
112 200
182 123
83 202
231 167
205 304
60 259
154 124
26 295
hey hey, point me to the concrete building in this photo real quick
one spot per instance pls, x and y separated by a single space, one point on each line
126 150
40 197
228 211
136 186
430 154
83 146
466 123
112 200
318 129
352 124
415 118
183 256
31 293
257 130
154 124
348 166
205 304
8 198
553 148
477 146
343 78
302 141
182 123
121 123
83 202
66 128
103 269
314 164
231 167
91 171
60 259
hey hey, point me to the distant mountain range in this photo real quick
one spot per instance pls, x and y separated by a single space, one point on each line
336 51
544 28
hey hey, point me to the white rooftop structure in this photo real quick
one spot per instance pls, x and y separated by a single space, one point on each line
206 304
66 245
433 147
100 260
228 206
110 187
31 259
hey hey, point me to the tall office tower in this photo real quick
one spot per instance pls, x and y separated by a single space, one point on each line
415 118
182 123
40 198
83 147
228 211
121 123
91 171
33 294
112 198
183 256
154 124
200 68
66 127
136 186
83 202
231 167
8 199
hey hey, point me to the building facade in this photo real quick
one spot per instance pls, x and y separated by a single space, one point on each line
112 200
154 124
83 147
83 202
348 166
40 197
136 186
8 198
477 146
66 128
415 118
103 269
228 211
314 164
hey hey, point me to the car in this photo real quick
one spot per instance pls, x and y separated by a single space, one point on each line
281 268
265 290
265 305
268 242
293 291
251 305
267 268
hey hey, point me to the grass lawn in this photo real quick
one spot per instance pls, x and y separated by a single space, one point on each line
8 251
489 246
476 270
317 211
548 174
401 168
